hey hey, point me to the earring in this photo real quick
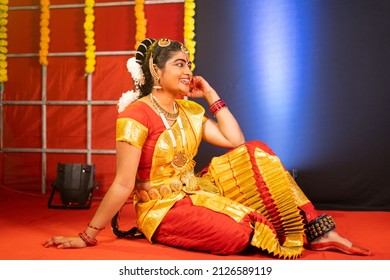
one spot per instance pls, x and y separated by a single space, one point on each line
154 73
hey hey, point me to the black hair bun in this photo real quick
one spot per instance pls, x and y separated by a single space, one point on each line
142 48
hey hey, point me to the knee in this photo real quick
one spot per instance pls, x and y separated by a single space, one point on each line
236 239
258 144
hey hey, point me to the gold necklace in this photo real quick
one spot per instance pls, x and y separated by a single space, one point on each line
168 115
180 159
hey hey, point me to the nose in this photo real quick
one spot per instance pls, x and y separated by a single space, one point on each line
187 71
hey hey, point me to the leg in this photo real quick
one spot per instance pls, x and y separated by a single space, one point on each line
198 228
331 241
253 175
201 228
322 237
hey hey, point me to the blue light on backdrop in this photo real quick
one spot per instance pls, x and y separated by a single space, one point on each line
273 31
310 79
274 65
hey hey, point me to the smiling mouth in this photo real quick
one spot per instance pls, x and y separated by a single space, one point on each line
185 81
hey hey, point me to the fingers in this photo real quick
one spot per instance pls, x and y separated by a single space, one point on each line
197 89
47 243
64 242
200 85
65 245
197 83
52 241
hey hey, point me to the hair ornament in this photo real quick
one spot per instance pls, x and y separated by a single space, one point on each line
164 42
140 53
135 70
134 66
184 49
142 44
150 40
126 99
152 70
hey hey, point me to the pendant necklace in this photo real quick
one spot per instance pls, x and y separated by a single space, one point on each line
180 159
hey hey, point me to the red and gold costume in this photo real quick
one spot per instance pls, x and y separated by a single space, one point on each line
244 197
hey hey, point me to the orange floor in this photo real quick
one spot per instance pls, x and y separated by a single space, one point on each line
26 221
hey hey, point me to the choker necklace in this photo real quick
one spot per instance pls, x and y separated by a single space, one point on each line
180 159
168 115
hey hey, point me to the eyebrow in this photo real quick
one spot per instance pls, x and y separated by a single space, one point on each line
181 59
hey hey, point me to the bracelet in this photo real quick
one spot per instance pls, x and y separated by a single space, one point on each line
216 106
87 239
95 227
319 227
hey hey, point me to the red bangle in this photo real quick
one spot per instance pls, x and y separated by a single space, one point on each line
95 227
216 106
88 240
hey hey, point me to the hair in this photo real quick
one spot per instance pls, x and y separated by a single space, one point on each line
147 48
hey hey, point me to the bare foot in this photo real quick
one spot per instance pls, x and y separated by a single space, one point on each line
334 242
333 237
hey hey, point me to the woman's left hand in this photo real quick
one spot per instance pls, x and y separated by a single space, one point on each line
62 242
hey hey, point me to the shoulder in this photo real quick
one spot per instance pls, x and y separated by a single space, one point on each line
136 106
191 106
138 111
133 124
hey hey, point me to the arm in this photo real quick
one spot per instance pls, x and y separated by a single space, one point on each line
127 160
225 132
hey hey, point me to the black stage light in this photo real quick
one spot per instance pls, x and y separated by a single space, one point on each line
75 183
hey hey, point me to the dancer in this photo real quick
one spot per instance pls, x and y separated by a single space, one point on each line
243 198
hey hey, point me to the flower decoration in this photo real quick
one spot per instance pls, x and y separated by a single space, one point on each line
45 31
89 36
138 78
3 40
132 65
136 72
140 21
127 98
189 29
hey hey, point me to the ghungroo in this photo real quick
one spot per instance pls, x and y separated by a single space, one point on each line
319 227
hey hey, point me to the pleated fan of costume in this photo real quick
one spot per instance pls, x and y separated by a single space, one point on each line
252 175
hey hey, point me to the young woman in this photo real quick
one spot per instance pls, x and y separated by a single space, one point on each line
243 198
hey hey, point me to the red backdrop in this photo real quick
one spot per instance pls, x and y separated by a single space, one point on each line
67 125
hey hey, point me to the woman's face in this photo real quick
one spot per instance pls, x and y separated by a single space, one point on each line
176 76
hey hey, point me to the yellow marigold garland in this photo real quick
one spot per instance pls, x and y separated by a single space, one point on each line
140 22
45 31
89 36
189 29
3 40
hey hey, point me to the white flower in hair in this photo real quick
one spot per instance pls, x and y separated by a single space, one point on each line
128 97
136 71
138 77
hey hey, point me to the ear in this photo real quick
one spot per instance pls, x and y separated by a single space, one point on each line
157 70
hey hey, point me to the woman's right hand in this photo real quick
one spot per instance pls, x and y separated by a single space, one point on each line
62 242
200 88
